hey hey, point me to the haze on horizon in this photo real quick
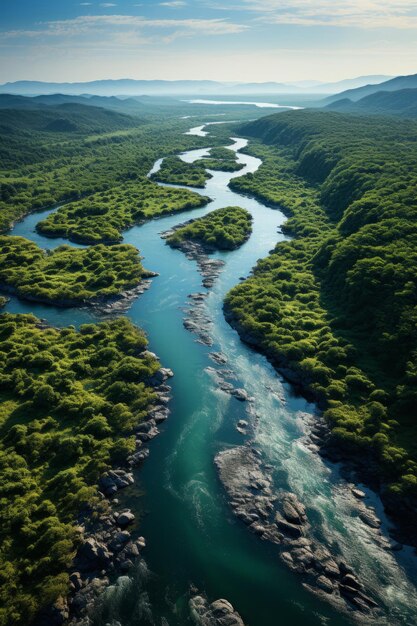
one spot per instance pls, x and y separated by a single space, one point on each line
246 41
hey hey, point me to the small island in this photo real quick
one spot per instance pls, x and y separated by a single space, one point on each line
175 171
222 229
221 159
68 276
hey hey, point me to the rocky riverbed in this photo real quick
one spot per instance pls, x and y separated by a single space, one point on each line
278 517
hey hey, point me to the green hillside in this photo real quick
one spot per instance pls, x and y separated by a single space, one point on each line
337 305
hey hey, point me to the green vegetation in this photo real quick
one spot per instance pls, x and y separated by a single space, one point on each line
222 159
40 168
222 229
70 401
175 171
67 275
102 216
337 305
402 103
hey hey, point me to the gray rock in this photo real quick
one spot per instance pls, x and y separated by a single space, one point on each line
325 583
369 518
92 556
218 613
125 518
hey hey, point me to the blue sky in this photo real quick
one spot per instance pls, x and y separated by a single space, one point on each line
246 40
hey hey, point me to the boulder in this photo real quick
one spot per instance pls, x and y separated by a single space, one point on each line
92 556
125 518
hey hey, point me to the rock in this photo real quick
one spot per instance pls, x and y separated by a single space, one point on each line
125 518
288 529
92 556
369 518
218 357
325 583
351 581
138 457
76 581
240 394
242 426
141 542
113 480
218 613
122 537
358 493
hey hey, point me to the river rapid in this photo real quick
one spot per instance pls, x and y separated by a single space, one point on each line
192 536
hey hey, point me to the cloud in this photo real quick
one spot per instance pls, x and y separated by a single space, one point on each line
107 5
115 27
348 13
174 4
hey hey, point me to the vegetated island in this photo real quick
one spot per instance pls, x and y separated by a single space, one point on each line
222 159
334 308
223 229
177 172
72 402
101 217
68 276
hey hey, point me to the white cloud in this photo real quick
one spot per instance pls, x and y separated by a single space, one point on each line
173 4
353 13
118 28
107 5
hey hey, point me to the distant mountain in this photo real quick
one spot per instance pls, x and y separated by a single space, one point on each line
350 83
128 105
402 102
65 118
131 87
395 84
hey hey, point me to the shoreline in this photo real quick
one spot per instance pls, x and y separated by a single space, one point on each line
359 470
107 548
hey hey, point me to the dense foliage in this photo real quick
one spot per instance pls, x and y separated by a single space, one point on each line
338 304
176 171
222 159
67 275
222 229
102 216
402 103
69 403
41 168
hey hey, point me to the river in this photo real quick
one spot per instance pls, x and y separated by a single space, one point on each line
191 534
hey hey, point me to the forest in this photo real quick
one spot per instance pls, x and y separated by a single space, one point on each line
336 306
67 275
40 169
102 216
69 403
222 229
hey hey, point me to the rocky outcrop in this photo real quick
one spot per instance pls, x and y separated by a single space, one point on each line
278 516
108 548
217 613
198 251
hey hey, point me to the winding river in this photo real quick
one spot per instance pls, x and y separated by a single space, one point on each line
191 534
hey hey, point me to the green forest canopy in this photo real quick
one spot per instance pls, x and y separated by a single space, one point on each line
338 304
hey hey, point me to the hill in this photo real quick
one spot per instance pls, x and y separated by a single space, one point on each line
335 307
402 102
395 84
127 105
66 117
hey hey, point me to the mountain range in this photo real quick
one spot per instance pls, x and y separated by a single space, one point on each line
131 87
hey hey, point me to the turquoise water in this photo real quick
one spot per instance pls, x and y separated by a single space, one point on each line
191 534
